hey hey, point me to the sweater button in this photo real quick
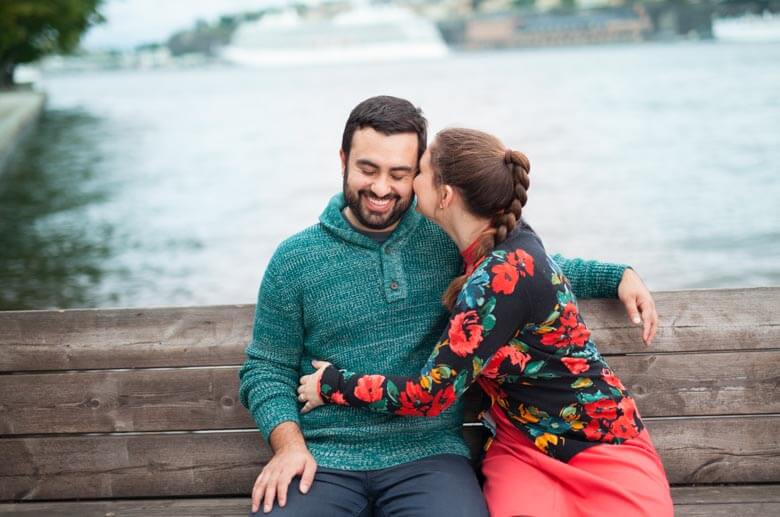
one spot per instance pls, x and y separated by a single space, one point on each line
394 285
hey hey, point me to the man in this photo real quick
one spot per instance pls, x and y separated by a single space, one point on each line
362 289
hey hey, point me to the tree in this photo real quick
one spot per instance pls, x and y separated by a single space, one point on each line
30 29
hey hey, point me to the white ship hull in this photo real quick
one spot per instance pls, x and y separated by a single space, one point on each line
368 34
748 29
369 53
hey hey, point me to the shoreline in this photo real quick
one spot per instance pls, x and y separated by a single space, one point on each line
19 113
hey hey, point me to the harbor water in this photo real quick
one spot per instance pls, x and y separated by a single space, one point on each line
174 186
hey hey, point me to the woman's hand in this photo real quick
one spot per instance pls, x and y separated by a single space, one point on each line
309 389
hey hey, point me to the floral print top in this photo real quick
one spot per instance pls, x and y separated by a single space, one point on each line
516 331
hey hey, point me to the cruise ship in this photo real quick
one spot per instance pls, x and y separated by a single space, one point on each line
751 28
365 33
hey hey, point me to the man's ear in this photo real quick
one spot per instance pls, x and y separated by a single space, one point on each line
343 158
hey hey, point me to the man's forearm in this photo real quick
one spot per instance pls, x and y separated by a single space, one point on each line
590 278
286 436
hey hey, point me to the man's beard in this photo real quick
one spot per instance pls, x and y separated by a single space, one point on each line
368 218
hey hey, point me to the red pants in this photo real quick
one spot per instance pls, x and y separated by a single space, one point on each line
622 480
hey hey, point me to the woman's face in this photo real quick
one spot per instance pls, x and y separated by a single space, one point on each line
425 187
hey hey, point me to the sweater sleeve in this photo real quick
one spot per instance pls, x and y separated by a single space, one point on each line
269 375
492 305
591 278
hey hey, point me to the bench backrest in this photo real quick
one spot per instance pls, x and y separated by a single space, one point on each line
143 402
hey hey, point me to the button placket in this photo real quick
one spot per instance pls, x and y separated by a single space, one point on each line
393 276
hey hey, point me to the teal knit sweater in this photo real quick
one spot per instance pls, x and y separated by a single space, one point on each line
334 294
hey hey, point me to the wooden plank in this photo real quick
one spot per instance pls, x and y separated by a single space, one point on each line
705 450
695 320
723 319
207 398
724 383
136 338
200 507
130 465
728 510
718 383
718 449
729 494
116 401
750 500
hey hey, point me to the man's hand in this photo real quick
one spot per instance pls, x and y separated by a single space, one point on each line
639 304
291 458
309 387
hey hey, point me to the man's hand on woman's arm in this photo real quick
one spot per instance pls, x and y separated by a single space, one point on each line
639 304
291 458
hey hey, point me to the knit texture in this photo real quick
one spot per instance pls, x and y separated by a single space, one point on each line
334 294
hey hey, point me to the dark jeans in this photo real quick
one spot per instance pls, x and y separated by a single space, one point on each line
439 485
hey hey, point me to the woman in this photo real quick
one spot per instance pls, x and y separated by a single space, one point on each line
568 438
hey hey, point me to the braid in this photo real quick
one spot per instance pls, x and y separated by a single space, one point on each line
505 221
493 182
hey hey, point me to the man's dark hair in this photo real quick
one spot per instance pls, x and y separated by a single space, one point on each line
387 115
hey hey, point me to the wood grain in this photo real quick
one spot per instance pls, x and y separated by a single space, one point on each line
726 501
207 398
723 319
705 450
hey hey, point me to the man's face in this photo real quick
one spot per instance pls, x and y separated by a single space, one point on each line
378 177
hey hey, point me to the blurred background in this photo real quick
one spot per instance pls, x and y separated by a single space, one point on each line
155 153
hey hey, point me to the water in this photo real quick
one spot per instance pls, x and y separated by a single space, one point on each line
173 187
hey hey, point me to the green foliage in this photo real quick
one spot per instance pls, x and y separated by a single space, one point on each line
30 29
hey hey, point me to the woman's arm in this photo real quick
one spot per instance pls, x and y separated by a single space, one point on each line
491 307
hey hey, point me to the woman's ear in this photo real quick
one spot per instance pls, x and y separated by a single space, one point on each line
447 196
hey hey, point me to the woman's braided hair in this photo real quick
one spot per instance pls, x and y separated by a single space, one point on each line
492 180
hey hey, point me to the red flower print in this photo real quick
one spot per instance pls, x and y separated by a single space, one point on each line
612 379
520 258
604 408
442 400
569 315
465 333
415 401
516 358
595 433
369 388
338 398
490 370
624 428
491 389
628 407
570 332
576 365
505 279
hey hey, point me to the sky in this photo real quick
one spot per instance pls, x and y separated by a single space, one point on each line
133 22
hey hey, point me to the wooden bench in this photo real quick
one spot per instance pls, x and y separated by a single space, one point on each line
135 411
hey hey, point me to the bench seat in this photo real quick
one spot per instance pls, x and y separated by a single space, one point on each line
136 412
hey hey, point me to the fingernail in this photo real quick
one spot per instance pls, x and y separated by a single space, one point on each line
304 488
637 320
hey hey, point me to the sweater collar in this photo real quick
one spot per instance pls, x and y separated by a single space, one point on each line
333 220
